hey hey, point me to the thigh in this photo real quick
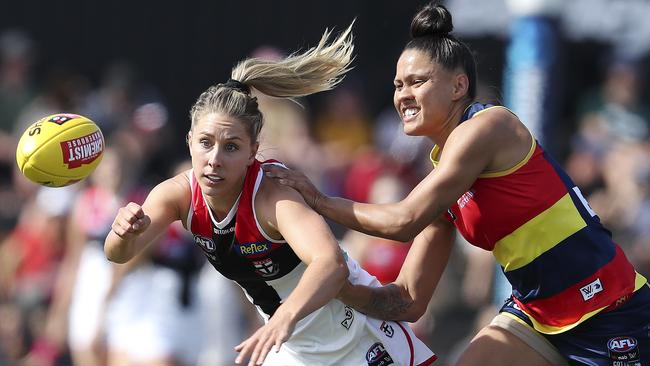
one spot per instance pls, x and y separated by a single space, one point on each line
494 345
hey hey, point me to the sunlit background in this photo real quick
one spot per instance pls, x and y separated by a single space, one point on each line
576 72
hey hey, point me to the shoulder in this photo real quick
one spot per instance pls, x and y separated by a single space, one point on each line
494 117
494 125
178 185
270 192
175 191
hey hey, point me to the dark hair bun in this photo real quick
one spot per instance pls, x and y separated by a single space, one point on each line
432 20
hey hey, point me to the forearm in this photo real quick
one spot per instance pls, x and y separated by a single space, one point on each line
389 302
319 284
383 220
119 250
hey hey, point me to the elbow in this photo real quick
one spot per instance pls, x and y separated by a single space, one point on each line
415 312
114 254
413 307
403 229
339 271
113 257
342 271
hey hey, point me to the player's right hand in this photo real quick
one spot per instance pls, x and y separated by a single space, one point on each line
130 221
298 181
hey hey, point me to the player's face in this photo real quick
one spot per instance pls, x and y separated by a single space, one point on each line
423 93
221 150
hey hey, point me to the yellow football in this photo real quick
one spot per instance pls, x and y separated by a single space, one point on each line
60 149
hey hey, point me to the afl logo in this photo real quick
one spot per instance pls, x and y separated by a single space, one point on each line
378 356
622 344
205 243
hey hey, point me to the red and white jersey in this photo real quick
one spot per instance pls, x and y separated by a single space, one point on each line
268 270
239 249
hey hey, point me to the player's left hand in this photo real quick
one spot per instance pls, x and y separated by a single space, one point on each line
270 336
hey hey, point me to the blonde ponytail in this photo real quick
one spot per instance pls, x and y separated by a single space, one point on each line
318 69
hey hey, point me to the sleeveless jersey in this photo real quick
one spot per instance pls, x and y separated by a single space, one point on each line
240 250
561 262
268 270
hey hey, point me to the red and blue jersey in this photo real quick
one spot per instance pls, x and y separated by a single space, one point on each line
561 262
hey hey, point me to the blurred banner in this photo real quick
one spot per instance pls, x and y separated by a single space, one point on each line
529 75
623 23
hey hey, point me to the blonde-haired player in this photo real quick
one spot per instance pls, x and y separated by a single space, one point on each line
262 235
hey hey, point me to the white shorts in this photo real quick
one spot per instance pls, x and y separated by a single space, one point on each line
396 346
146 320
87 303
323 340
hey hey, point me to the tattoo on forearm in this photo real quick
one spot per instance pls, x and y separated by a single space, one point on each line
387 302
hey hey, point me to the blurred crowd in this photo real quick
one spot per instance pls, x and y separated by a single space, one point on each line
63 303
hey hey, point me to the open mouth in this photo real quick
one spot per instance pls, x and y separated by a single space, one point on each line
213 178
409 113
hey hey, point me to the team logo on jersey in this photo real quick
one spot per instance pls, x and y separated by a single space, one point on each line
206 243
591 289
378 356
387 329
349 318
465 198
253 249
266 267
623 351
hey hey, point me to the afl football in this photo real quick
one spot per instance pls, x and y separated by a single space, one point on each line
60 149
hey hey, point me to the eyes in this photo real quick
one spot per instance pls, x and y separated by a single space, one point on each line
399 85
207 143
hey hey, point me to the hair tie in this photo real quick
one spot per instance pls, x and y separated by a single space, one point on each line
237 85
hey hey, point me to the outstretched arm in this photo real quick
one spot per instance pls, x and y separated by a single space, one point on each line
135 226
407 298
283 211
494 140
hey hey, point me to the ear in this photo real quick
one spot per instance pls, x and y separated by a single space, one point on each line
254 148
188 138
460 86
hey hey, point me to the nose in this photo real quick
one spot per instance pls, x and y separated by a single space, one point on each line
214 158
401 95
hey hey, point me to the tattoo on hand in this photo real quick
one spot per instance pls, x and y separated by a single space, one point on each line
387 302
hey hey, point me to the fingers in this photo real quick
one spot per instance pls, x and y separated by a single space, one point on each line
256 350
130 219
243 349
134 215
274 171
263 351
282 175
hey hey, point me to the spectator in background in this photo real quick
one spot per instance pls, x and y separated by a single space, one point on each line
615 112
30 257
16 90
343 130
608 151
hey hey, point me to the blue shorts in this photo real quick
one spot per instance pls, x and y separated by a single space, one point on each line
620 337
